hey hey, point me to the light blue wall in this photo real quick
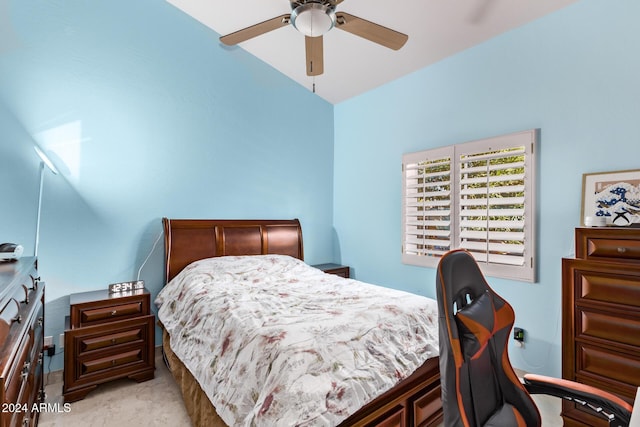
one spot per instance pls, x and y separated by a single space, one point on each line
19 180
573 74
147 116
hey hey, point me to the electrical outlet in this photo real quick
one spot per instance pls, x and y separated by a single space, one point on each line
48 342
518 334
61 341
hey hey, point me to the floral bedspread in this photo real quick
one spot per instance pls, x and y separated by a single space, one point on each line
275 342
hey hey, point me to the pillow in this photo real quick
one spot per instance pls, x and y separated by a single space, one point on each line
476 324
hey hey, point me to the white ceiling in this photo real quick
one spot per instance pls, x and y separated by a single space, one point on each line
352 65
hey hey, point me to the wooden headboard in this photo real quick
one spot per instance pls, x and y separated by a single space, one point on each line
189 240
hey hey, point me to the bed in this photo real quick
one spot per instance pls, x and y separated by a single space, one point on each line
194 245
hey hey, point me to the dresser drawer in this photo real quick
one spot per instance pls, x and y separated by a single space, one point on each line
608 284
608 327
17 378
10 319
611 370
608 244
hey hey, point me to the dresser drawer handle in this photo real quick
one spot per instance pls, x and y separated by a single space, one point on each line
114 312
34 283
622 250
113 362
113 340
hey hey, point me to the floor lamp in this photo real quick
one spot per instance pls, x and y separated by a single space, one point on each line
44 161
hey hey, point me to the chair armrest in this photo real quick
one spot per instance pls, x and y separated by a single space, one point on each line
599 401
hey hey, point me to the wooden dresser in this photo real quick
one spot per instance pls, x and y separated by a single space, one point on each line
108 336
601 316
21 341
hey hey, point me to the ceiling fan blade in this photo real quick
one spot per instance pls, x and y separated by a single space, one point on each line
370 31
314 50
256 30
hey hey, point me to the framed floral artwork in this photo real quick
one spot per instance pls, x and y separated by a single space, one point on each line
612 195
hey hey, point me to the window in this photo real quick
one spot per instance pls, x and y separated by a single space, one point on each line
479 196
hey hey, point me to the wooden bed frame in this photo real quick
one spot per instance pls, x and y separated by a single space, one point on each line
413 402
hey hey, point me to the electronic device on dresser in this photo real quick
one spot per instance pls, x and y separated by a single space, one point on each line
601 316
21 342
10 251
109 335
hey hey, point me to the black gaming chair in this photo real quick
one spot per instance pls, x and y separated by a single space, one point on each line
479 386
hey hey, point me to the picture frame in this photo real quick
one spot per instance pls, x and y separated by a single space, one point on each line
612 195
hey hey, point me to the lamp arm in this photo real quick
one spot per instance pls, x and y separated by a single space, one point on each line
35 251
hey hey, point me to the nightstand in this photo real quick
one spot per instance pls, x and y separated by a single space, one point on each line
108 336
337 269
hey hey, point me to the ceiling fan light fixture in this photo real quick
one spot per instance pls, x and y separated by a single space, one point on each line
313 19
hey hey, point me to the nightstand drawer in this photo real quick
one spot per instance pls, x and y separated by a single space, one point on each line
101 338
108 336
110 362
106 307
131 333
111 313
109 351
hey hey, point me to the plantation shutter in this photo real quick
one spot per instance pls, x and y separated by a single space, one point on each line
428 183
479 196
491 200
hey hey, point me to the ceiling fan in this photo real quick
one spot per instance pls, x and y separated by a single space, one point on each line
313 18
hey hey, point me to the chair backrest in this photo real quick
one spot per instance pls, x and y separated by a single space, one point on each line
479 386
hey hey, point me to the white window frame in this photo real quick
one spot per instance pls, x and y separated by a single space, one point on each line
451 219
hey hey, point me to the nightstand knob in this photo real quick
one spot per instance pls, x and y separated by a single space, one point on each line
113 363
113 340
114 312
622 250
